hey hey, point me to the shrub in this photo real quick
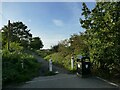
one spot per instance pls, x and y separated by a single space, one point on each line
43 53
12 70
60 60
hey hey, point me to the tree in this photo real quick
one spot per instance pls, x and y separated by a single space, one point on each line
55 48
102 33
78 45
18 33
36 43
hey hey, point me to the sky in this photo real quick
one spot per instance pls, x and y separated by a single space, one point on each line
51 21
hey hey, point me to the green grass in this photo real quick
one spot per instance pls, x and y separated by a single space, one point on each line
61 61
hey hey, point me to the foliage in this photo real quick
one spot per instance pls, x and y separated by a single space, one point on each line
55 48
18 66
102 35
60 60
78 44
100 41
43 53
65 49
12 68
19 33
14 47
36 43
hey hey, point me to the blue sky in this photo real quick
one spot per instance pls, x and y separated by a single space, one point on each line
51 21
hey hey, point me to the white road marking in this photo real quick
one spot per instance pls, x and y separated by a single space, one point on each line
108 82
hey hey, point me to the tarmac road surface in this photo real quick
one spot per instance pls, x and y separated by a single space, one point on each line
66 81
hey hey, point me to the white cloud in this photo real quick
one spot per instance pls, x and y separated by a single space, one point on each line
58 22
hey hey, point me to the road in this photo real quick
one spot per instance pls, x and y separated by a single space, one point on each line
64 80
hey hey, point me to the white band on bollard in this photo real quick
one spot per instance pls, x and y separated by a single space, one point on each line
72 60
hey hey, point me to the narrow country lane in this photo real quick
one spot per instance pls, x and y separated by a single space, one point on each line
64 80
67 81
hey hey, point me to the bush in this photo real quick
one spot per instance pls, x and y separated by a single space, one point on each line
43 53
60 60
12 70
